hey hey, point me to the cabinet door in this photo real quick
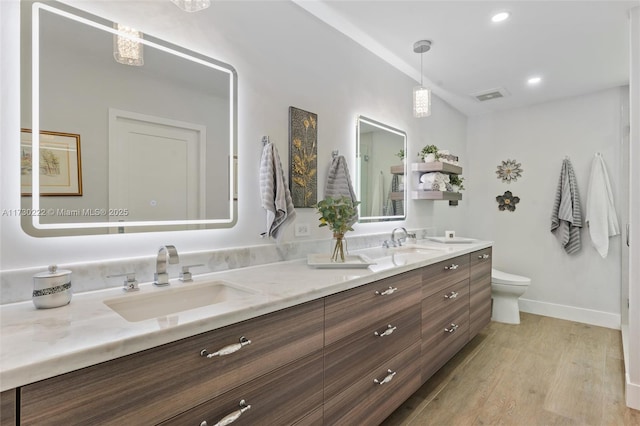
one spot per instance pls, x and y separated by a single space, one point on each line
157 384
479 291
353 310
8 408
445 326
367 402
281 397
437 277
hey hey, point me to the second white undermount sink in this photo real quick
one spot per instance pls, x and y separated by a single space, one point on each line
151 303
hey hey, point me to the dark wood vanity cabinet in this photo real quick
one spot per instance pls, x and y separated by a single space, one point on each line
349 358
155 385
456 305
372 348
479 290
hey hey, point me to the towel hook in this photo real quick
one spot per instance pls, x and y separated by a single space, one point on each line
335 153
265 140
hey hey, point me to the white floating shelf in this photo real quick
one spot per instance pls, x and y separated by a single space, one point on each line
435 195
436 166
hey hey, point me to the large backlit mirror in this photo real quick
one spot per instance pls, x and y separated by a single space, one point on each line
126 144
381 171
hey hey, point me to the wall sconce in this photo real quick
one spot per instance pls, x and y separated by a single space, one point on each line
421 94
126 49
192 5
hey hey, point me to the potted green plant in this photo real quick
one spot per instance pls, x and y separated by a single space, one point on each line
429 153
400 155
338 214
456 182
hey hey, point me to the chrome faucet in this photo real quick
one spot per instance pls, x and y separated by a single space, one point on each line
161 277
399 241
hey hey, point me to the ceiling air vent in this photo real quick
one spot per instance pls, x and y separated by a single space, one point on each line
487 95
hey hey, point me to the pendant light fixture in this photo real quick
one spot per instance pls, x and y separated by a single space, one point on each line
126 49
192 5
421 94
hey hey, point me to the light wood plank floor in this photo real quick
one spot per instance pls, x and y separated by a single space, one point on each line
544 371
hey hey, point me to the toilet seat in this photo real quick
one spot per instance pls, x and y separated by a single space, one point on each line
499 277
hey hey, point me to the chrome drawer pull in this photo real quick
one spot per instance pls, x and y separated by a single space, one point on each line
452 267
451 295
229 349
453 328
483 256
388 291
387 379
390 329
232 417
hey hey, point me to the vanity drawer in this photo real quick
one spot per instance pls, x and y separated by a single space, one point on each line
282 397
352 310
441 275
154 385
366 402
480 261
8 408
315 418
350 358
445 326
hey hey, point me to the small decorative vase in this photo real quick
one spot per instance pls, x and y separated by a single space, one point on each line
338 248
429 158
455 188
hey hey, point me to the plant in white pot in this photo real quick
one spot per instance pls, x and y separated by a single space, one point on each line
400 155
456 183
429 153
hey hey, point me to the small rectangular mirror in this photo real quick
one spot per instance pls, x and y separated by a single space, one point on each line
381 171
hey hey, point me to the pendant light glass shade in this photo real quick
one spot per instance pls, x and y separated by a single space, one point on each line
421 102
421 94
126 50
192 5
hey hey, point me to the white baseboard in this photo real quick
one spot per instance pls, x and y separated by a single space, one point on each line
571 313
632 394
631 390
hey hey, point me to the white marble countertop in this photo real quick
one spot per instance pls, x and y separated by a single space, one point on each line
36 344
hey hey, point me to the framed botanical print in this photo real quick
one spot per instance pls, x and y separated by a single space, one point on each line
60 167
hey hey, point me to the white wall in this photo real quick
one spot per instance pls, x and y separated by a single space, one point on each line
585 286
284 57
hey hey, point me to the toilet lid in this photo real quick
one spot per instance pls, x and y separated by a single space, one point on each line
500 277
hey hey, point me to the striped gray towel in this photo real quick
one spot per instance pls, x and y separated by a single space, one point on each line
566 218
274 192
339 182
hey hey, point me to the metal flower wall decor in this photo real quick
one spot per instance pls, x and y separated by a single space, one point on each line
509 171
507 202
303 154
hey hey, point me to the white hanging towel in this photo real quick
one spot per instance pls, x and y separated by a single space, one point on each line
274 192
601 213
339 182
377 197
566 217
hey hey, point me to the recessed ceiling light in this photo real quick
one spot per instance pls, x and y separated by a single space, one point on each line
534 80
500 16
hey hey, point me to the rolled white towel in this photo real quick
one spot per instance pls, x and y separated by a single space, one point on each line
428 178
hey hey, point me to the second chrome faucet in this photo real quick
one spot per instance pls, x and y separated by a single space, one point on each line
166 254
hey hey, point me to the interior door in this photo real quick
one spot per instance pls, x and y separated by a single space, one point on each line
154 169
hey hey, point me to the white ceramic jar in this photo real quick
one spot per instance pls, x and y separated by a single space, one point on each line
52 289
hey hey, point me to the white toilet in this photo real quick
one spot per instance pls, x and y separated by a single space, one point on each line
505 291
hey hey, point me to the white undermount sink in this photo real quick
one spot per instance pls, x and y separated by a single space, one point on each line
415 249
152 302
